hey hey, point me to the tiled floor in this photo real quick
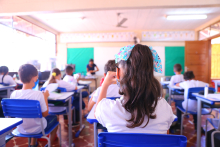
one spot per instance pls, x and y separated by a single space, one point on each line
86 137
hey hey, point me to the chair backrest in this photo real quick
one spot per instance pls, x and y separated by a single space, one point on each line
45 75
140 140
21 108
113 98
196 90
60 88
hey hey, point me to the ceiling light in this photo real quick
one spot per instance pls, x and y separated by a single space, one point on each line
179 17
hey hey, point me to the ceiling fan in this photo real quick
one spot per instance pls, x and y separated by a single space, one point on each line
120 23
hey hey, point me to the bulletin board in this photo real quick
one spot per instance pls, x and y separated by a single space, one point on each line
174 55
80 57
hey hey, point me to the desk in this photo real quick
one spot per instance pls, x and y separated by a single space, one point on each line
64 97
165 83
172 88
216 84
79 89
214 102
90 79
8 88
92 120
6 126
86 83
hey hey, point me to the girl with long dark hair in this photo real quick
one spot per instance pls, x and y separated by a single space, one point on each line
141 110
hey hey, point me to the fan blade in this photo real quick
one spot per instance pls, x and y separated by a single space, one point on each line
122 26
121 22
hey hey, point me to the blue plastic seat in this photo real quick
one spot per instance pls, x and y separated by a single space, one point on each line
190 96
140 140
113 98
27 109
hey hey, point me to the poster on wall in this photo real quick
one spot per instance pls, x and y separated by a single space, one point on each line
168 36
98 37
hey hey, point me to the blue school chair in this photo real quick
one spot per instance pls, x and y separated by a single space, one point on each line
27 109
113 98
140 140
190 96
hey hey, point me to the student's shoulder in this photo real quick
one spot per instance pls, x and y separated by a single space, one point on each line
8 76
163 105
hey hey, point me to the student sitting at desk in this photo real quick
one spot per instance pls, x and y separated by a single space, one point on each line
29 75
4 77
178 77
113 89
192 104
142 110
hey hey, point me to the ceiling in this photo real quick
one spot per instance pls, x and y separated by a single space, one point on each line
138 19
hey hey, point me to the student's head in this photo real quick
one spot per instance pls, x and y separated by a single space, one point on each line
140 88
4 70
177 68
28 74
69 70
189 75
55 75
91 62
109 66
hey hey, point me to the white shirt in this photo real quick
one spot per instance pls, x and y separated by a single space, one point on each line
70 79
176 79
31 125
63 84
192 104
112 115
112 91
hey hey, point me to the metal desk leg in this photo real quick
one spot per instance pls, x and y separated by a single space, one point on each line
2 138
95 83
80 114
95 135
199 122
170 96
70 123
8 92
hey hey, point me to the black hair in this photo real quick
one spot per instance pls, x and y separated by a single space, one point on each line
189 75
110 66
69 70
4 69
177 67
91 60
27 72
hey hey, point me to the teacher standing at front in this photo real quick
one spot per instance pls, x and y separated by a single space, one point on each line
91 67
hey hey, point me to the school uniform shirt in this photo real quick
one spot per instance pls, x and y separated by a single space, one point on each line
176 79
63 84
70 79
112 115
192 104
112 91
31 125
8 80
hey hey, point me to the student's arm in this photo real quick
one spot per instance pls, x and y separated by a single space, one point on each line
11 81
91 104
97 69
46 95
109 79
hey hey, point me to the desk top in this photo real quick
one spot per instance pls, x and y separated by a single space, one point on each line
165 82
174 87
6 87
211 98
6 124
91 116
88 78
85 82
63 96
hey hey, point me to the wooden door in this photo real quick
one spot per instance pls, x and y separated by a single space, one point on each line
197 59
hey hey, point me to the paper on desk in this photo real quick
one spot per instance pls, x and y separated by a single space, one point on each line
51 87
214 96
54 95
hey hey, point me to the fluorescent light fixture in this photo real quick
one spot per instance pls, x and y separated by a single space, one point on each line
181 17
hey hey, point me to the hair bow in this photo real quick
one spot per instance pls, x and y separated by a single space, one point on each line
54 74
125 53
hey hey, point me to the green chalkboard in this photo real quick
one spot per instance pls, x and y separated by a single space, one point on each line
174 55
80 57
